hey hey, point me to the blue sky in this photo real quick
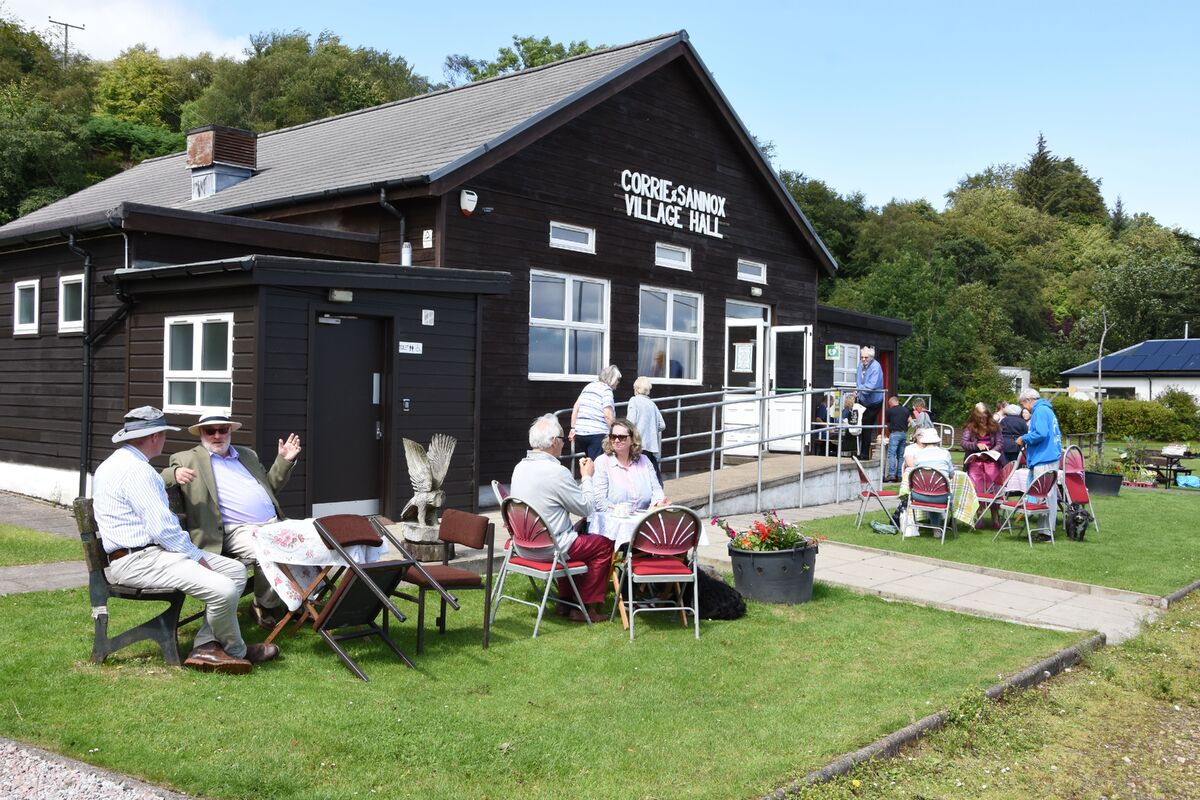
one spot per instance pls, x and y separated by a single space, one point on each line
893 100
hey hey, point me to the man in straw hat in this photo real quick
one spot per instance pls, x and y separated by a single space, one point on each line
147 548
228 494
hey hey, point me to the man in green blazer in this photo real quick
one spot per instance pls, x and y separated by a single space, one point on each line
227 494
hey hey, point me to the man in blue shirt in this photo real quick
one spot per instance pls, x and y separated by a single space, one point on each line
1042 443
868 381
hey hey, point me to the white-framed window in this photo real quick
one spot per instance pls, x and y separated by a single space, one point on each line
672 256
568 326
572 237
739 309
70 303
669 327
845 368
198 363
26 299
753 271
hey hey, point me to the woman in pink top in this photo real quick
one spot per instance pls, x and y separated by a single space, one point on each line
623 475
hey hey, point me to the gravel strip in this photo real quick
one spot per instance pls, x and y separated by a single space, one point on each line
30 773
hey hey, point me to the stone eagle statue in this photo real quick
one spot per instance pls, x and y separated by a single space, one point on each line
427 469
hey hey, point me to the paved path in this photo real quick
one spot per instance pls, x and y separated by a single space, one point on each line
1016 597
1025 599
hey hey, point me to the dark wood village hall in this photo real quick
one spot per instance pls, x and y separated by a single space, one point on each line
458 262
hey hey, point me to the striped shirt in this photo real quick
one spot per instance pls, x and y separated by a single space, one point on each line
594 398
130 503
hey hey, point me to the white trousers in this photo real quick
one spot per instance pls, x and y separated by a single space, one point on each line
219 588
1051 499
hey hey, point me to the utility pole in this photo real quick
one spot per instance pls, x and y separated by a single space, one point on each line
66 26
1100 390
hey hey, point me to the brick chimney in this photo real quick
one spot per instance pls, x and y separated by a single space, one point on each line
220 157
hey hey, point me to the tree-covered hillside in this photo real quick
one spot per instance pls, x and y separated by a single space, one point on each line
1015 270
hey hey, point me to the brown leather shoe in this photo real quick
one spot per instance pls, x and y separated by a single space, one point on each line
260 651
577 616
265 617
212 657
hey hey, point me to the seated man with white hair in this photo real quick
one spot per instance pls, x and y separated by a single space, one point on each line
544 483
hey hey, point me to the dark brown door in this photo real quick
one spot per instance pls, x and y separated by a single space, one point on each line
348 416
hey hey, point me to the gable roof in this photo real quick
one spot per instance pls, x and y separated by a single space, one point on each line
412 142
1157 356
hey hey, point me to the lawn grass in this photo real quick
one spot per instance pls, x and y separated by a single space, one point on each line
1146 543
1122 725
578 712
24 546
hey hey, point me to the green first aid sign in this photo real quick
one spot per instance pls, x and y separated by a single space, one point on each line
832 352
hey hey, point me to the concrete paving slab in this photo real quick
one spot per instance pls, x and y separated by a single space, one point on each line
928 588
43 577
1016 606
975 579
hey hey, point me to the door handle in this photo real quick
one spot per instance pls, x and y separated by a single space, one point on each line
378 430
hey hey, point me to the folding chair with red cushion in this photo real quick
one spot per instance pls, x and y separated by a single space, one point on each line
992 496
469 530
1031 501
360 592
867 491
663 550
535 554
929 491
1074 484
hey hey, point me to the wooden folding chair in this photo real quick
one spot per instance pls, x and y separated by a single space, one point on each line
469 530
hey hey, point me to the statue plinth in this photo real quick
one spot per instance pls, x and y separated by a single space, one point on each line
422 541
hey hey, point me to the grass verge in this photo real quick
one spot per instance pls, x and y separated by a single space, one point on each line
24 546
1124 724
1146 544
577 712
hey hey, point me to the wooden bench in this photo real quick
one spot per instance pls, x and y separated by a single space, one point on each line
160 629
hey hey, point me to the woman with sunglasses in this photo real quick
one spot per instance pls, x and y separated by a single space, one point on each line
625 479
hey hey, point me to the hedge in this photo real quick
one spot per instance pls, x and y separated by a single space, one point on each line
1141 419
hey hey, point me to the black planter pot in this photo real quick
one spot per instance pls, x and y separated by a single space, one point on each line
1102 483
776 576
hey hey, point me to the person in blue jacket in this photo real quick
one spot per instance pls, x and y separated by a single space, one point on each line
1042 443
868 380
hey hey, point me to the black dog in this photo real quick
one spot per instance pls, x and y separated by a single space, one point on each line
719 600
1076 519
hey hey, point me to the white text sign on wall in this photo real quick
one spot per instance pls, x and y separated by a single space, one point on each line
673 204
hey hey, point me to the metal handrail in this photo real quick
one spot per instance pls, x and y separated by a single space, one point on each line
686 404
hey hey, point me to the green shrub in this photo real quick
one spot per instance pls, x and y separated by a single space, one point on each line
1141 419
1186 410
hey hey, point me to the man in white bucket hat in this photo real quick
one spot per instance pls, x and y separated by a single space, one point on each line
147 548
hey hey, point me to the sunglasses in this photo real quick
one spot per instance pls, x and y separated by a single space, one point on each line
618 437
214 431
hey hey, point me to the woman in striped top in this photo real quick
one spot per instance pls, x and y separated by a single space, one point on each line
594 412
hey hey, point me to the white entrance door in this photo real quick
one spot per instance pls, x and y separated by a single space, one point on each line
743 372
791 368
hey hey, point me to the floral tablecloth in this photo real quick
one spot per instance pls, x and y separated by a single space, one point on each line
296 544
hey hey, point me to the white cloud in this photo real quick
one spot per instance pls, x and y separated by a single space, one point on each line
171 26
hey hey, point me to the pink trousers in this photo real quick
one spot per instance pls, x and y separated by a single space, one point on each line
984 473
